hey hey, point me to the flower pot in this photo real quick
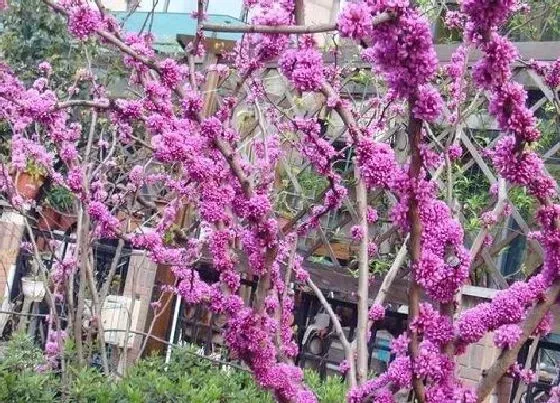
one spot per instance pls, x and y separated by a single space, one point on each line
67 220
33 288
49 220
28 186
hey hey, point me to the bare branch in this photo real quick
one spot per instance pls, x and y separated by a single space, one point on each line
363 280
286 29
338 330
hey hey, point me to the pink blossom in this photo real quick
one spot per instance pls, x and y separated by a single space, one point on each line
357 233
171 72
303 67
454 19
376 313
343 367
83 21
454 151
429 104
355 21
371 215
507 336
372 249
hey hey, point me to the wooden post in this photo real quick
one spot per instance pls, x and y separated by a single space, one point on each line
27 303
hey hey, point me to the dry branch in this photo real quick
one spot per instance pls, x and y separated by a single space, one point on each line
285 29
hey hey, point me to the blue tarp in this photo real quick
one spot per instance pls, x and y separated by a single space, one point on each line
166 26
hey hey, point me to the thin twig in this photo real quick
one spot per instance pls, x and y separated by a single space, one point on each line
338 330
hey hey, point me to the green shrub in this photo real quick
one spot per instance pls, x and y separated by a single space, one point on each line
19 379
331 390
186 378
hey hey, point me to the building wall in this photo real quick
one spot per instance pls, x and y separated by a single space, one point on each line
115 5
321 11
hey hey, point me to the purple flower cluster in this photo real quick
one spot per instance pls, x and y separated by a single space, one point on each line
484 16
250 338
508 99
376 313
303 67
456 71
507 308
506 336
494 68
83 21
54 347
549 71
435 327
314 147
454 151
508 106
191 288
444 264
429 104
524 168
355 21
402 50
171 72
524 375
378 165
107 224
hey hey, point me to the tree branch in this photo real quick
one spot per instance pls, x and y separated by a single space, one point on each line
286 29
363 280
507 357
414 245
498 209
338 330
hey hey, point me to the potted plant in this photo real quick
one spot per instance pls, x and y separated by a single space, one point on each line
58 209
32 285
30 180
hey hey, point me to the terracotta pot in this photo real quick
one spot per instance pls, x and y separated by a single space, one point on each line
27 186
50 219
67 220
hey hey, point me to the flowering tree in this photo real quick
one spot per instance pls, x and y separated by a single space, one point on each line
106 150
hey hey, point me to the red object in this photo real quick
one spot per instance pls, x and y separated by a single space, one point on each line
27 186
49 219
67 220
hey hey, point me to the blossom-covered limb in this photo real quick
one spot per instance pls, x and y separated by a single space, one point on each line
221 145
509 355
501 205
415 245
